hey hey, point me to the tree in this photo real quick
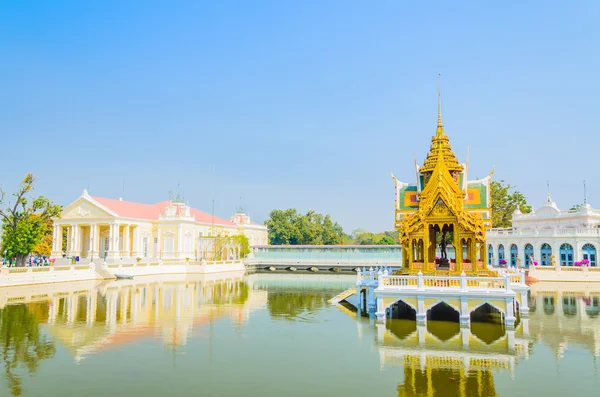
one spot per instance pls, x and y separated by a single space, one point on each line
241 241
386 240
288 227
504 203
26 221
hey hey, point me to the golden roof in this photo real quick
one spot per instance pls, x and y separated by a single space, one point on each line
440 146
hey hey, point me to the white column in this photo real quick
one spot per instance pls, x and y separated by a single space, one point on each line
126 242
76 246
136 241
180 241
92 238
91 308
157 248
111 237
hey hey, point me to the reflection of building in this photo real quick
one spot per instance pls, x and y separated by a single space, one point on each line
112 229
104 317
566 314
461 365
569 236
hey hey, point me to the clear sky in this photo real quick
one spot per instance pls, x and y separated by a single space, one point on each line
305 104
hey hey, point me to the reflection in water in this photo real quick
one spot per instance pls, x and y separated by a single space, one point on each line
439 358
91 320
295 305
444 377
21 342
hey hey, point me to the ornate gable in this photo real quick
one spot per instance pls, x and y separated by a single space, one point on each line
85 208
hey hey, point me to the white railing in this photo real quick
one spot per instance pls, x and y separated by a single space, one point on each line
581 232
462 282
10 276
329 261
381 278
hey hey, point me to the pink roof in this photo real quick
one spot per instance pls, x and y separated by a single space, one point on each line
129 209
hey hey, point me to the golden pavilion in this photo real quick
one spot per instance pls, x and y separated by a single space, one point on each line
442 218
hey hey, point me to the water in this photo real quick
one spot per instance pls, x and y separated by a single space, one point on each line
273 335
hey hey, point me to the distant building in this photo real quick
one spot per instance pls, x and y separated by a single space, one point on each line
115 229
550 235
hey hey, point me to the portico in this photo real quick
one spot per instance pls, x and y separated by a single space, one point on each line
117 230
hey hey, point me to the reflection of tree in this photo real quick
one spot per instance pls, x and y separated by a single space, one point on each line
289 305
222 294
21 343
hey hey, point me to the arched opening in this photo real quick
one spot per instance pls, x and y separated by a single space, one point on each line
490 254
501 260
589 254
401 311
592 307
569 306
514 253
545 253
566 255
443 312
549 305
443 321
489 330
528 253
487 313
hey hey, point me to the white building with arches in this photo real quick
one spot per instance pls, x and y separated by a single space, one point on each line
118 230
551 237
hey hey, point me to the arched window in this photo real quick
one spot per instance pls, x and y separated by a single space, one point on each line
528 254
501 260
589 253
545 253
514 252
490 254
566 255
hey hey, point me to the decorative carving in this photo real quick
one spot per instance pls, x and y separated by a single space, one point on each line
82 212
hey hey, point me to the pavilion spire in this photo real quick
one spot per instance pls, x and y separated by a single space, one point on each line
440 127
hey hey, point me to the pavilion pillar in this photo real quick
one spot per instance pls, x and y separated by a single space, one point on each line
426 256
458 252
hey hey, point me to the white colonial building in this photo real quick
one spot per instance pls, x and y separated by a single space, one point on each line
552 237
118 230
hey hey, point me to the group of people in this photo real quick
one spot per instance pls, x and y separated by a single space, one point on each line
32 261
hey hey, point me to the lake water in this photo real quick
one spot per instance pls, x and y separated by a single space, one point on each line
274 335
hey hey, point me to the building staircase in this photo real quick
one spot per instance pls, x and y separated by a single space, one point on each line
342 296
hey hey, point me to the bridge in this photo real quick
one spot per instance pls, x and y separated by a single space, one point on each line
324 257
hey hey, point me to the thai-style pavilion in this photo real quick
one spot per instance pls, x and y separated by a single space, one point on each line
443 213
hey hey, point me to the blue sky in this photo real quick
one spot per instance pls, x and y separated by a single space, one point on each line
306 104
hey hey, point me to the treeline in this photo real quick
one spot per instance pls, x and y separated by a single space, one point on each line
289 227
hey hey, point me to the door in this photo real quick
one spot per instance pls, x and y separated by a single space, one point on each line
103 246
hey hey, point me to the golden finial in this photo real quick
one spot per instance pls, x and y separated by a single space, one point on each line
440 128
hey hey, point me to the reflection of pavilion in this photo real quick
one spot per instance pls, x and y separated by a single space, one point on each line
96 319
461 365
